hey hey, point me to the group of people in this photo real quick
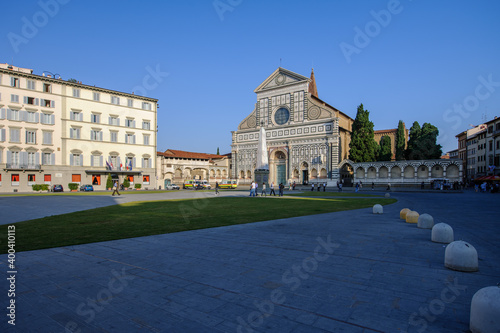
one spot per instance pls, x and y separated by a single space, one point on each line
254 189
486 187
319 187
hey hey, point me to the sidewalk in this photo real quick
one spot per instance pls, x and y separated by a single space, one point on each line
349 271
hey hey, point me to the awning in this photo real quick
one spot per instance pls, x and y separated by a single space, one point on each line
122 172
488 178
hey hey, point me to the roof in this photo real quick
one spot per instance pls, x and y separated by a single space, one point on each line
187 154
392 130
312 86
325 103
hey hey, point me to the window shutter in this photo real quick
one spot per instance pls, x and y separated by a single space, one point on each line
2 113
134 162
150 161
133 123
117 121
12 82
52 159
23 157
37 101
9 156
92 160
2 134
142 162
81 159
37 158
133 139
52 104
9 114
23 116
37 117
126 138
25 100
42 102
118 161
71 159
100 160
52 119
100 136
110 120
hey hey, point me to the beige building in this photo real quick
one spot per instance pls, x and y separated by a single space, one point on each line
177 166
391 133
58 132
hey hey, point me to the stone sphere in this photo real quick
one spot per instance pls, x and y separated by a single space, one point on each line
461 256
403 212
442 233
485 310
425 221
387 195
378 209
412 217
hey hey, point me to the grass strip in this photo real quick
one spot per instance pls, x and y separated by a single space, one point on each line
144 218
332 194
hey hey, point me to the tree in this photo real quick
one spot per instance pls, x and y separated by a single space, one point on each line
218 151
109 182
126 182
411 152
385 152
362 145
423 142
400 141
72 80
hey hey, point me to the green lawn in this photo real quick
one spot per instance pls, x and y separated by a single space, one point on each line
159 217
332 194
34 194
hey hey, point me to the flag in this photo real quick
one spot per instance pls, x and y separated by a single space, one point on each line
130 164
121 167
108 167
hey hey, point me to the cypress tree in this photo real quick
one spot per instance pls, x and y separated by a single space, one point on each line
385 153
412 151
400 141
362 145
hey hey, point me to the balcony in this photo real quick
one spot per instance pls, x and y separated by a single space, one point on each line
24 166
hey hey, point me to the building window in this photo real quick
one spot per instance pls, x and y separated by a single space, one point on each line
115 100
14 82
15 135
130 179
32 117
76 93
130 122
13 114
96 96
47 179
95 118
74 133
30 136
96 180
146 106
47 159
96 135
281 116
48 103
146 125
47 119
30 84
75 159
32 160
76 115
31 179
146 162
113 120
14 179
96 160
130 138
113 136
76 178
31 100
130 103
14 98
146 140
47 88
145 179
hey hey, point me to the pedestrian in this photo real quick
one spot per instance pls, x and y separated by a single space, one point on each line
422 186
388 186
256 192
340 187
319 187
312 187
263 190
272 190
324 187
357 188
281 189
115 188
360 184
293 186
373 186
252 189
216 188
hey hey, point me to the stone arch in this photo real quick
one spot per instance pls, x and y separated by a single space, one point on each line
187 173
224 173
437 171
178 173
396 172
295 173
452 171
383 172
346 172
409 172
249 174
212 173
314 173
242 174
371 173
323 173
360 172
422 171
217 173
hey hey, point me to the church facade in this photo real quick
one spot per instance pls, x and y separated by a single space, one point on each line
306 137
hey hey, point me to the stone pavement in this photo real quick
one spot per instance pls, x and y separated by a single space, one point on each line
338 272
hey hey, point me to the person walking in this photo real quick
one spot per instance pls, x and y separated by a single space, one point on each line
293 186
263 193
115 188
373 185
281 189
388 186
252 189
340 187
319 187
324 187
216 188
312 187
357 188
256 193
272 190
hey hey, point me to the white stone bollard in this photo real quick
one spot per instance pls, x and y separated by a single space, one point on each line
425 221
442 233
461 256
387 195
485 311
378 209
403 212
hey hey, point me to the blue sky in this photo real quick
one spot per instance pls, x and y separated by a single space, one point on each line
425 61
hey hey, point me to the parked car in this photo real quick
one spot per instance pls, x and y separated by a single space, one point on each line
87 188
173 187
57 188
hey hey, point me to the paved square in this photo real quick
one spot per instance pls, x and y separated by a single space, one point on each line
338 272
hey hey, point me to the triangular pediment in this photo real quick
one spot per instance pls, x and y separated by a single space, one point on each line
279 78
